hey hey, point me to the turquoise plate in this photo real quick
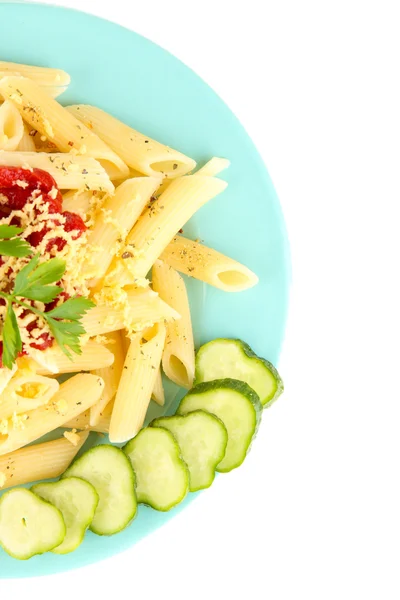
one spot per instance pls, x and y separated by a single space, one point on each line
145 86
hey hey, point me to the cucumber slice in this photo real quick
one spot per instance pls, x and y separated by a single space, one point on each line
223 358
77 500
202 438
238 407
162 478
110 473
28 524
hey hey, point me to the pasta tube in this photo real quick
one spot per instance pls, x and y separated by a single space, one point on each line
178 354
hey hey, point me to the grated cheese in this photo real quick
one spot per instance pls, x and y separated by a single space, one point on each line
72 437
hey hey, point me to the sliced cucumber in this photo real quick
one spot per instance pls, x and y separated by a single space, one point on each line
202 438
223 358
238 407
110 473
162 478
28 524
77 500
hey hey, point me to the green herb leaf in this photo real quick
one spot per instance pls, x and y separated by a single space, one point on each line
31 282
12 343
67 335
15 247
9 231
72 309
21 280
48 272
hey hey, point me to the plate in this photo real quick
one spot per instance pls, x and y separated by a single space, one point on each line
148 88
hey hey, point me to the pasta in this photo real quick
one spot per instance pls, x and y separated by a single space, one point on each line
137 150
144 307
137 383
208 265
74 396
158 394
116 218
41 461
42 75
26 143
102 205
71 172
26 392
93 356
11 127
111 376
178 355
56 124
161 221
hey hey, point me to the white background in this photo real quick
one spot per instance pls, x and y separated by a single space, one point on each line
314 512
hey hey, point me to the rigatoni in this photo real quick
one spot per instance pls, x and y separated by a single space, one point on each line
208 265
51 119
74 396
71 172
137 150
137 383
41 461
178 354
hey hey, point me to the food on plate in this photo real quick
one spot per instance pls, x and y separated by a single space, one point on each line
95 317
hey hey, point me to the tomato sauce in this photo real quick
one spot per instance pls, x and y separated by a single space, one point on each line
17 186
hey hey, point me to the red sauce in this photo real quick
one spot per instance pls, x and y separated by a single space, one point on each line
13 197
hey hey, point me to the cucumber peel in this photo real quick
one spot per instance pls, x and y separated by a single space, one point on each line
109 471
202 438
77 501
237 405
28 524
235 359
162 477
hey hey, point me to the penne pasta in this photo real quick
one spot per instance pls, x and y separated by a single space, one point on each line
162 220
70 172
74 396
178 354
82 421
26 143
26 392
137 150
114 221
136 385
51 119
208 265
42 75
143 308
5 376
214 166
53 360
11 127
41 461
110 375
158 394
82 202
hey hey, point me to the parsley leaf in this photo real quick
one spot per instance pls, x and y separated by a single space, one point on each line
12 343
15 247
9 231
72 309
31 282
67 335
